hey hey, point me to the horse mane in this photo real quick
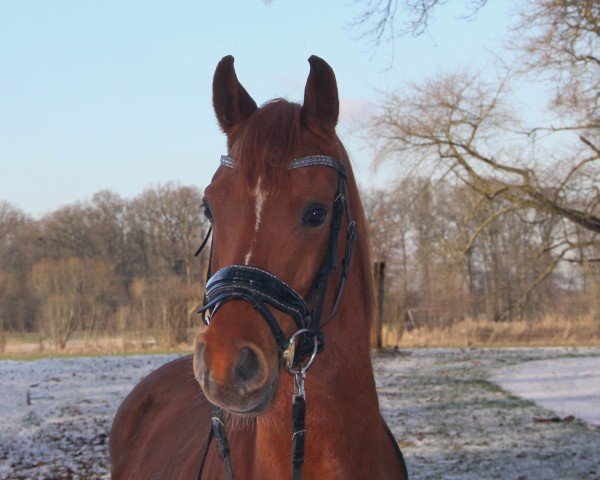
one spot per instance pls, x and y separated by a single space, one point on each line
269 139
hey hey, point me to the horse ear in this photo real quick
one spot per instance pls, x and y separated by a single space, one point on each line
231 101
321 104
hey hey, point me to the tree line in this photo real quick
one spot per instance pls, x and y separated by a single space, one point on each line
112 266
451 254
106 265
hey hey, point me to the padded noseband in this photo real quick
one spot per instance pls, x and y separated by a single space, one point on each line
258 287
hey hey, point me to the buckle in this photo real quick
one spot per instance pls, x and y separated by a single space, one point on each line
297 368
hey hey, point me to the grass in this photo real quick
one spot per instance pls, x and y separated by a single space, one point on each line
550 331
30 357
27 347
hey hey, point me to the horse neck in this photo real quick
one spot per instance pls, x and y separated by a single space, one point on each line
342 405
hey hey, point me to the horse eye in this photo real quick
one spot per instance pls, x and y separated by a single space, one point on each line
314 215
207 212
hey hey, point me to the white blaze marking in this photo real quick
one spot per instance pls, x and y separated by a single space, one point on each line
260 197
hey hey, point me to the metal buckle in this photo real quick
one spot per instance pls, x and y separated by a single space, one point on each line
299 379
299 371
290 351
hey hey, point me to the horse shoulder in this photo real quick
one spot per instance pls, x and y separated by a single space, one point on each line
166 406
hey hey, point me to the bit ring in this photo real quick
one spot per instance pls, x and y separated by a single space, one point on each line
301 369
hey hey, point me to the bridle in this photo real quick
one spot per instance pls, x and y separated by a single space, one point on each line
265 291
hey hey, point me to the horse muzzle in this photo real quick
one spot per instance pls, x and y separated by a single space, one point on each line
235 378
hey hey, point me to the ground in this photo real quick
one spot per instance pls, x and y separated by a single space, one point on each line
451 420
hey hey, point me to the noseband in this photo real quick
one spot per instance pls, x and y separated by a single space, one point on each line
265 291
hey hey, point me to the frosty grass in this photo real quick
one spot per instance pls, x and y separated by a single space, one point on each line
450 420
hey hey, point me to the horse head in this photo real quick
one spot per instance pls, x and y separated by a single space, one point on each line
273 205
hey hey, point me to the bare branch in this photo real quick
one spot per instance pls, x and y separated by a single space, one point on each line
387 20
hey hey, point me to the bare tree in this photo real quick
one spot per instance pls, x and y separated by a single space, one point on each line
458 123
73 293
167 305
560 41
387 20
451 254
19 249
10 220
171 222
3 320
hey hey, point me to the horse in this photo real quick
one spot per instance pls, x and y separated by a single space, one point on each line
292 290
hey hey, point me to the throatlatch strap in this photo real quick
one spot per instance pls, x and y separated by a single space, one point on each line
298 435
204 242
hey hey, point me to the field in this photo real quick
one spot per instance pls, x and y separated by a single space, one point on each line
450 418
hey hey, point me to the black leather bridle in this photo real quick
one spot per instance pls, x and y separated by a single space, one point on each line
265 291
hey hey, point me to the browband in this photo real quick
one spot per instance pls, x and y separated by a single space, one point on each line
228 162
308 161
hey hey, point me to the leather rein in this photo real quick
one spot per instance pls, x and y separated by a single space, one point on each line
265 291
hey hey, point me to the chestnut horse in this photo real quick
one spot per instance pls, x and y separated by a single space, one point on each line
273 219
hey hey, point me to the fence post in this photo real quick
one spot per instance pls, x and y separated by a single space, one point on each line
378 270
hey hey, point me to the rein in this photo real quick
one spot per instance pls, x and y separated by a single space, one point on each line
265 291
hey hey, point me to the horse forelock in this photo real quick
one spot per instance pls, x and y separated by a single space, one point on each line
266 143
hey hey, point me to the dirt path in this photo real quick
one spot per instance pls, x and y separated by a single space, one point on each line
451 421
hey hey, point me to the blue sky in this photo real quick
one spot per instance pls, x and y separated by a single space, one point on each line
117 94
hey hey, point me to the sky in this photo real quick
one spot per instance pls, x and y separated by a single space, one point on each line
117 94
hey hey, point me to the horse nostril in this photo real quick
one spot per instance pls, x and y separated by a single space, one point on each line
247 367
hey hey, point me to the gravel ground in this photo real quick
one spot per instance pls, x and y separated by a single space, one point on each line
55 415
452 422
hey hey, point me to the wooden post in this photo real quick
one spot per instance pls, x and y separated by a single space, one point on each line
379 269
